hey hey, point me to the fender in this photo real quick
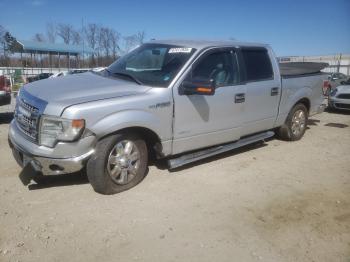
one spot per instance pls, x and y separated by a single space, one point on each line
290 97
126 119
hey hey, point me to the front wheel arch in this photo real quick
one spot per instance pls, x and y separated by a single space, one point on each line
151 138
97 169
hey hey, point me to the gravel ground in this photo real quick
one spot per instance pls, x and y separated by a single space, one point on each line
278 201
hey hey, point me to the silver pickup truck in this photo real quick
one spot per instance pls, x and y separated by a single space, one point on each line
179 100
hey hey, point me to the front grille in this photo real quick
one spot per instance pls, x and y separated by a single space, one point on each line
29 107
27 118
343 96
340 105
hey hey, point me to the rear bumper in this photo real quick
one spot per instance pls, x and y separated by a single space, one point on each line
321 109
318 110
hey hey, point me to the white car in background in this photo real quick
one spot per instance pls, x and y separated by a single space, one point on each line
337 79
339 97
98 69
62 73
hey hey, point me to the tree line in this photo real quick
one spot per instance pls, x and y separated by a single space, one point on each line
106 42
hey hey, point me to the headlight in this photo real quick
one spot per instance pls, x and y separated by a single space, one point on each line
333 92
54 129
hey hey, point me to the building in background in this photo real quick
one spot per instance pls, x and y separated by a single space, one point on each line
339 63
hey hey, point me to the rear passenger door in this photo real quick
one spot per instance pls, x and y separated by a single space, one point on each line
263 89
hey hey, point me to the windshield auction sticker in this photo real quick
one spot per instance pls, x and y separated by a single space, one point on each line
180 50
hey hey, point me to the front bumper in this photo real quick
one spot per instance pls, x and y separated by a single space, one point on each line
50 161
341 104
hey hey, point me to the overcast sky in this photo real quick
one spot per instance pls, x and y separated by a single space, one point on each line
291 27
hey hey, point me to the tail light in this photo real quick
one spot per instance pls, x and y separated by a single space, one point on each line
326 87
326 84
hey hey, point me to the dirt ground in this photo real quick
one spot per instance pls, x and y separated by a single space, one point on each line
278 201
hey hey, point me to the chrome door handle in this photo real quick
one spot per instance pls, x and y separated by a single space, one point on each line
274 91
240 98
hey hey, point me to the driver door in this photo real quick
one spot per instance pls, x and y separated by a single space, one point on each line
202 121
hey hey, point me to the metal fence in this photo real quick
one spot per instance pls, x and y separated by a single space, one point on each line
27 72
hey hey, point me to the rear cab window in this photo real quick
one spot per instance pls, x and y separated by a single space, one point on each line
257 64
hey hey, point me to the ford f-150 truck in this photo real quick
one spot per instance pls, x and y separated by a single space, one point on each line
178 100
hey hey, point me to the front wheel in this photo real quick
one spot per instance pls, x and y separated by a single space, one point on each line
295 125
119 163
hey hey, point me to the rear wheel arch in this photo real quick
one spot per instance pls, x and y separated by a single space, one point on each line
285 132
305 101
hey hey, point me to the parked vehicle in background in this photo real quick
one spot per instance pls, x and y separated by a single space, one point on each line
18 80
39 77
62 73
337 79
77 71
98 69
5 91
339 97
180 100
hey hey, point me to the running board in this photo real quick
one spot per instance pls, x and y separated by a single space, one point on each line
198 155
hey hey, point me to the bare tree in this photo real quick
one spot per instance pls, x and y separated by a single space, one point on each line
39 37
130 42
51 32
105 40
140 37
76 37
65 31
2 40
91 32
115 37
2 32
2 35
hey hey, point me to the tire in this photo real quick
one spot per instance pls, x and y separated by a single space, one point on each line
106 168
290 131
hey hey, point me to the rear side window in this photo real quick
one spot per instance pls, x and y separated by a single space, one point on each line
257 64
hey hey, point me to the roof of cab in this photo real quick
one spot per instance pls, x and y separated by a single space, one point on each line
200 44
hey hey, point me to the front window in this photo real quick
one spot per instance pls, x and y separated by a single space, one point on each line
220 67
151 64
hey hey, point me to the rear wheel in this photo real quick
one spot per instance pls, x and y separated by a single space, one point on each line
119 163
295 125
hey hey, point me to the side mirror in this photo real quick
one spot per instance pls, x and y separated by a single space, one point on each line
197 87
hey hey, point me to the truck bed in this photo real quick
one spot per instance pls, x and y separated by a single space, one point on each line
300 68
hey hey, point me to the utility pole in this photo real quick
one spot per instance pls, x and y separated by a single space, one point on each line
82 31
339 61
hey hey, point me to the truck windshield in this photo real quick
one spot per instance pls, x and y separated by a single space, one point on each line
151 64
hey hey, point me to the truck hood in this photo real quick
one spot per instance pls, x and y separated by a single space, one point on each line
62 92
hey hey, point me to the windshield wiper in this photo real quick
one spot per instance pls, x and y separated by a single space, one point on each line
127 75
